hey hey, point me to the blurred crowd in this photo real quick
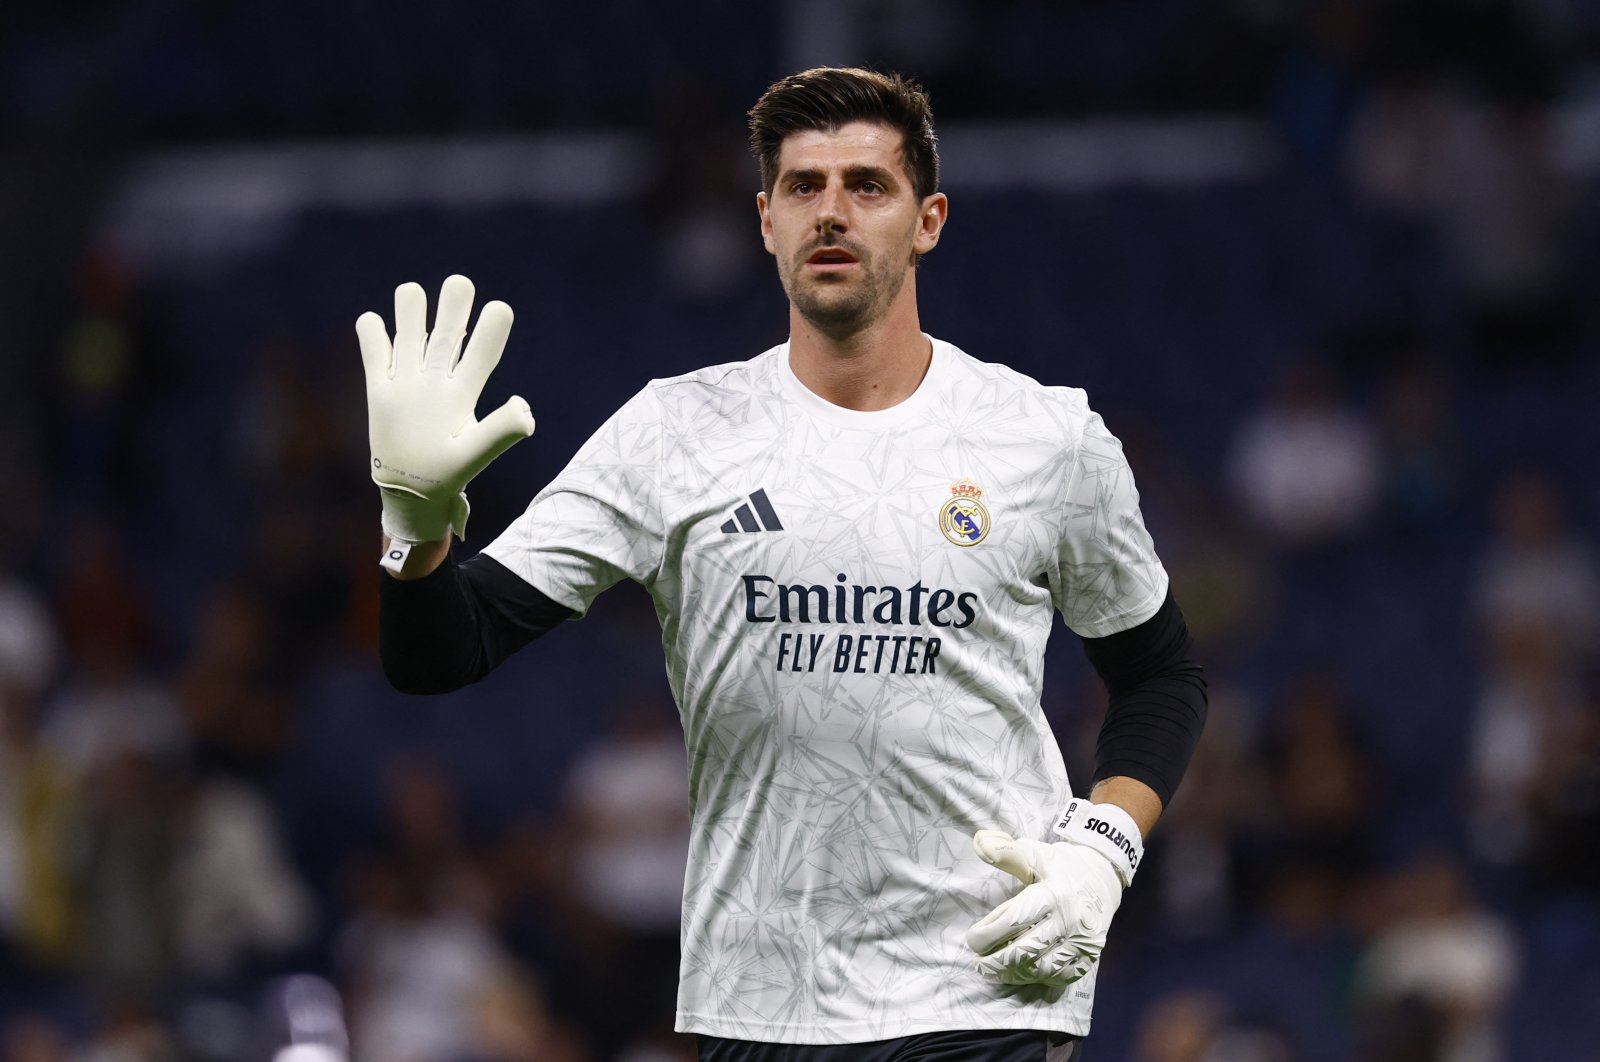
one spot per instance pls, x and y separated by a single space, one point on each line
1356 395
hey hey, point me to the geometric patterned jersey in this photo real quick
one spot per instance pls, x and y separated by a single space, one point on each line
854 608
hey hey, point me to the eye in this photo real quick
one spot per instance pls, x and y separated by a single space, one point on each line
800 188
871 188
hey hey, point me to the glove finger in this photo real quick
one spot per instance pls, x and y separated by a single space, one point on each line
449 323
1017 915
1040 956
1065 963
377 354
1027 974
1019 858
495 434
488 342
1057 967
998 972
1026 947
410 320
992 930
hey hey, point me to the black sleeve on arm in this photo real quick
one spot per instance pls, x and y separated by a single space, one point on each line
1158 700
457 623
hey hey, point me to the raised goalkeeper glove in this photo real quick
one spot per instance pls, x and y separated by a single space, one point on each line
422 391
1052 932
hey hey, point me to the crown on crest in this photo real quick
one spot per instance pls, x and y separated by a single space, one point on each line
966 489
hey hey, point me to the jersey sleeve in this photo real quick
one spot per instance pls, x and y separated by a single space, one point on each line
1109 577
599 521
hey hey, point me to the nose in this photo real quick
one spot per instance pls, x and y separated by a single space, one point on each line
831 211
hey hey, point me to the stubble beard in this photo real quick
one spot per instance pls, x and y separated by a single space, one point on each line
835 307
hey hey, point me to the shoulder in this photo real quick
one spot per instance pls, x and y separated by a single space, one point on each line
716 383
995 389
695 399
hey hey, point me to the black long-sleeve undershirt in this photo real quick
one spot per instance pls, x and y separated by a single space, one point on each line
1158 700
457 623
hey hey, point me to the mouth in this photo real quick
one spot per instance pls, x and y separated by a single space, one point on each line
831 259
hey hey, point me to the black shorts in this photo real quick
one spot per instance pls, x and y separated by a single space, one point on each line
985 1046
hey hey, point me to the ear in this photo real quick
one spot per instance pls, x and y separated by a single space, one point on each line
930 222
765 210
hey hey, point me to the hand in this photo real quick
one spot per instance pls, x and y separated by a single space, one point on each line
421 398
1051 932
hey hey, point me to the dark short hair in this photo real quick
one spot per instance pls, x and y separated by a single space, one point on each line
827 97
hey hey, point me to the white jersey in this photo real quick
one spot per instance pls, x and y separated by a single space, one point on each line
854 608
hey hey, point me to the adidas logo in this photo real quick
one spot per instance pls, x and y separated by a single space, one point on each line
745 520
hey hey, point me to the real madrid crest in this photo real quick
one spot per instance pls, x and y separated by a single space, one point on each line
963 519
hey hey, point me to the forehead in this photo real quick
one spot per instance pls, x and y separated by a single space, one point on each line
853 144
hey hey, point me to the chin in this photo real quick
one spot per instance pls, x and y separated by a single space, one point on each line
836 307
839 326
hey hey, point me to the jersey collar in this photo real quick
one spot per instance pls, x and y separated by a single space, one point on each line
914 405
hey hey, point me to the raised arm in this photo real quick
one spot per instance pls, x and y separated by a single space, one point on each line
441 626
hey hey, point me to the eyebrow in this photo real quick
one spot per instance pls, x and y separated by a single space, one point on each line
855 174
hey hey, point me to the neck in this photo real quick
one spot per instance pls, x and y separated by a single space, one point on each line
876 368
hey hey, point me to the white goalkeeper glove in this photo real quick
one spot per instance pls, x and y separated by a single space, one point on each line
422 391
1052 932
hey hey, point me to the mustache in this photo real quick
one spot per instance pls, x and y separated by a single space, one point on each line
829 242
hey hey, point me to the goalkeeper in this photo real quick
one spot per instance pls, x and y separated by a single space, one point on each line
856 542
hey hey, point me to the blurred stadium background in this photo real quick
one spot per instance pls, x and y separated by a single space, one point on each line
1328 267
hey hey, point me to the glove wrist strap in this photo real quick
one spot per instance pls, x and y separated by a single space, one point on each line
410 519
418 528
1107 829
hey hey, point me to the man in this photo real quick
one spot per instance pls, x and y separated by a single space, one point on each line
856 543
